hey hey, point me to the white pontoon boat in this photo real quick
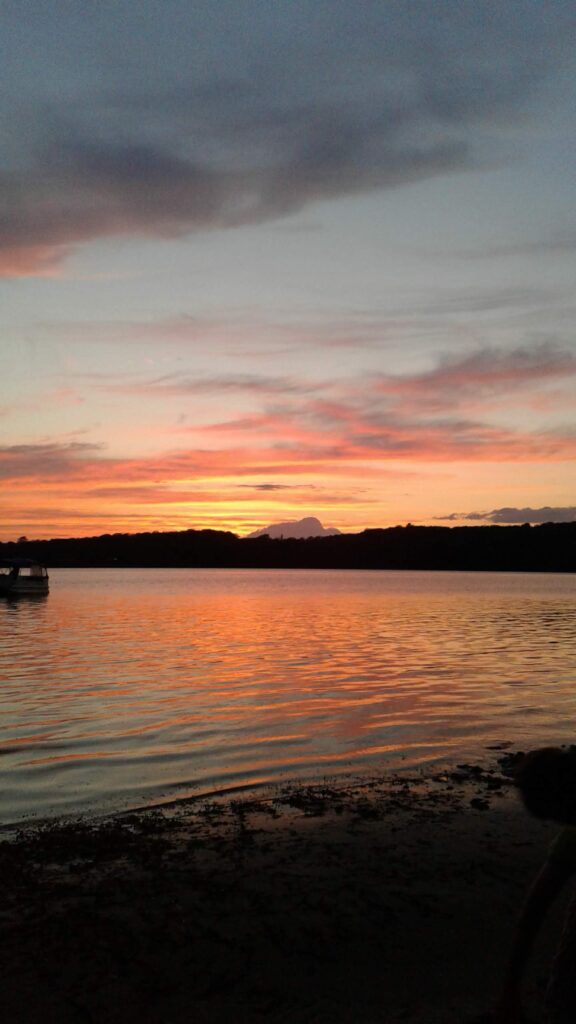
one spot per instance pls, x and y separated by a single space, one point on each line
19 576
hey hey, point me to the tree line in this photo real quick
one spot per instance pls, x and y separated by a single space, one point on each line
550 547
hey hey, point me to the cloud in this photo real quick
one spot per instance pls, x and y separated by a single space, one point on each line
30 260
494 300
283 455
294 433
179 384
399 95
247 335
37 461
458 401
80 191
312 439
509 516
360 426
439 415
480 375
154 494
560 242
269 487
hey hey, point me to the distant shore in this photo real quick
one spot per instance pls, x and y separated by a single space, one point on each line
379 898
550 547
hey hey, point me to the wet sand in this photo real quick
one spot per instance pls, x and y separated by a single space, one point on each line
387 898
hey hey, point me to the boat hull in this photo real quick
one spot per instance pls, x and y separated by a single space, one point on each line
22 586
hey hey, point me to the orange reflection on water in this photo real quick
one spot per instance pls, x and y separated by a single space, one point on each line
142 681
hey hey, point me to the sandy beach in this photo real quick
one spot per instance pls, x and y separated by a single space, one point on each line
388 898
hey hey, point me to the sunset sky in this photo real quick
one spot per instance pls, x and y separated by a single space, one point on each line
262 259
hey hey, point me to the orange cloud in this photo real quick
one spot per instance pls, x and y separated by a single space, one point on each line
305 445
31 261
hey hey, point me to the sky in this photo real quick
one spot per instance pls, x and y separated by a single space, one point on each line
265 259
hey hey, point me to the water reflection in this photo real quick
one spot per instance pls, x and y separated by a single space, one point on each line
126 685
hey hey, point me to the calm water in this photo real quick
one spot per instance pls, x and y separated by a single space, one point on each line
124 687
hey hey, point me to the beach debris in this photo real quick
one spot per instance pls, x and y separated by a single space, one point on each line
479 804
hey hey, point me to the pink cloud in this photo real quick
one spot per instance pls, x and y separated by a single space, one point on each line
31 261
479 378
335 435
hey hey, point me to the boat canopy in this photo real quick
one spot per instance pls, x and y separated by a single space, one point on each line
18 563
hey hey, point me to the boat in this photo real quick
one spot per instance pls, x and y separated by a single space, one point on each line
20 576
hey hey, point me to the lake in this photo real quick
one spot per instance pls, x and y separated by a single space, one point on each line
128 687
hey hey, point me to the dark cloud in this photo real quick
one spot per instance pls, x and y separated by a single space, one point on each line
44 460
270 487
87 190
510 516
359 101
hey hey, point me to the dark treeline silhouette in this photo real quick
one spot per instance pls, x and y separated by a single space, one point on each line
547 548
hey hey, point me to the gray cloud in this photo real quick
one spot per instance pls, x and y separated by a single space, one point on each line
269 487
358 103
44 460
558 243
81 190
247 335
510 516
482 374
495 300
176 384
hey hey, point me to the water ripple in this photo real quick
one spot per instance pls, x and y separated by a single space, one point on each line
124 685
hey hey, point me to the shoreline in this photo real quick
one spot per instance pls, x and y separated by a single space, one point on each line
425 767
390 898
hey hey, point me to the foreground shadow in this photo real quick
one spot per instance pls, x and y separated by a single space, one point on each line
368 909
